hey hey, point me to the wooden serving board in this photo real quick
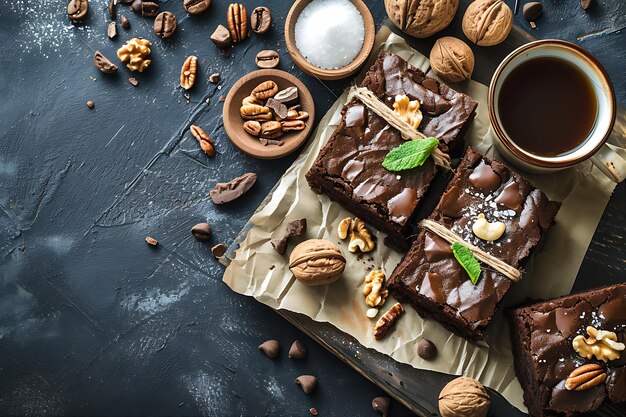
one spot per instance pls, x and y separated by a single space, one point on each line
417 389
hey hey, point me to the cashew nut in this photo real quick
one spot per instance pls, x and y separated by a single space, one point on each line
360 238
488 231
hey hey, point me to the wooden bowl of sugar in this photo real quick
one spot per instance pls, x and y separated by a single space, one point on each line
329 39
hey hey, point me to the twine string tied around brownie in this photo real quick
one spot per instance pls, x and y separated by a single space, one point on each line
484 257
407 131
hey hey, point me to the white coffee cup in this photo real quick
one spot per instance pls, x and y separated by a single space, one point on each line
594 146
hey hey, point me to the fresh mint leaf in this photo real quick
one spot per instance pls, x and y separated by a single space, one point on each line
466 258
410 154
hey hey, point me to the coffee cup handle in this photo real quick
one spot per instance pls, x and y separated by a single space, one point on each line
610 163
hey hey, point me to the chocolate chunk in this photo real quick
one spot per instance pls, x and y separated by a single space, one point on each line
112 30
125 22
294 228
136 6
510 196
287 96
426 349
219 250
201 231
381 405
225 192
436 248
532 11
278 108
307 383
221 37
485 178
313 411
297 350
567 401
270 348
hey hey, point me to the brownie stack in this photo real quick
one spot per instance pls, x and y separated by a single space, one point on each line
349 167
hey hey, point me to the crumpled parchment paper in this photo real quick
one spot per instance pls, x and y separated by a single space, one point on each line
550 273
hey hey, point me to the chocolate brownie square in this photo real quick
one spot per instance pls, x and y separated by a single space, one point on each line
542 336
349 167
430 277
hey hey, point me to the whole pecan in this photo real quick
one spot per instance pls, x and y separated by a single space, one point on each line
188 72
271 129
384 324
206 143
237 18
585 377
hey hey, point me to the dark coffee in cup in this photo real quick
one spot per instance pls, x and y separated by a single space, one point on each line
547 106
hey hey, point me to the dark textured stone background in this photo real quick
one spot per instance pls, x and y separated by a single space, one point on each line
93 321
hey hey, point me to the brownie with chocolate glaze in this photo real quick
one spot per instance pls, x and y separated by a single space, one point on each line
429 276
349 167
542 336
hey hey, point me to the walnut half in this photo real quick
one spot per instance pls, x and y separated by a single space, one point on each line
600 343
135 53
374 289
408 110
360 237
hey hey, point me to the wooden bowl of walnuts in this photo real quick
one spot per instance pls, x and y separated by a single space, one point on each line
268 113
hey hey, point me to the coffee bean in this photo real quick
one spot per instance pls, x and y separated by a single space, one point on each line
297 350
112 30
381 405
261 20
196 6
111 9
151 241
165 25
77 9
90 104
103 64
201 231
136 6
125 22
267 59
532 11
219 250
426 349
278 108
149 8
221 37
307 383
270 348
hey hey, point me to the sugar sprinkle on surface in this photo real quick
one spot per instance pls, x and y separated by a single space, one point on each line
330 33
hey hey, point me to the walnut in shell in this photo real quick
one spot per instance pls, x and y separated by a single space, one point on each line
421 18
463 397
452 59
487 22
317 262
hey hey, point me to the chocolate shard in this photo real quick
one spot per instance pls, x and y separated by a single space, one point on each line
278 108
225 192
294 228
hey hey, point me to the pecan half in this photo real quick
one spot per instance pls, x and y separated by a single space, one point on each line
265 90
255 112
292 125
384 324
585 377
206 143
271 130
188 72
252 127
237 18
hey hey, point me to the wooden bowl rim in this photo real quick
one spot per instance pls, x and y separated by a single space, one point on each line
326 74
250 144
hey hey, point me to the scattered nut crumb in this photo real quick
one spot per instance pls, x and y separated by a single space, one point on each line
272 266
214 78
313 411
133 81
152 241
90 104
222 98
219 250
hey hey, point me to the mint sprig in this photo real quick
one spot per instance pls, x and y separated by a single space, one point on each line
410 154
466 258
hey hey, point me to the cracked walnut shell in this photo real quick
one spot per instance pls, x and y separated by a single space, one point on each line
600 343
135 54
374 289
487 22
463 397
452 59
421 18
316 262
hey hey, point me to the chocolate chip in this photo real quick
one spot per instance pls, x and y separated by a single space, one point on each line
271 267
381 405
307 383
219 250
77 9
112 30
103 64
221 37
270 348
297 350
278 108
196 6
149 8
111 9
90 104
125 22
225 192
214 78
532 10
201 231
267 59
133 81
260 20
426 349
165 25
151 241
294 228
287 96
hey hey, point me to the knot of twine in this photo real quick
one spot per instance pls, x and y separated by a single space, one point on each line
407 131
497 264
